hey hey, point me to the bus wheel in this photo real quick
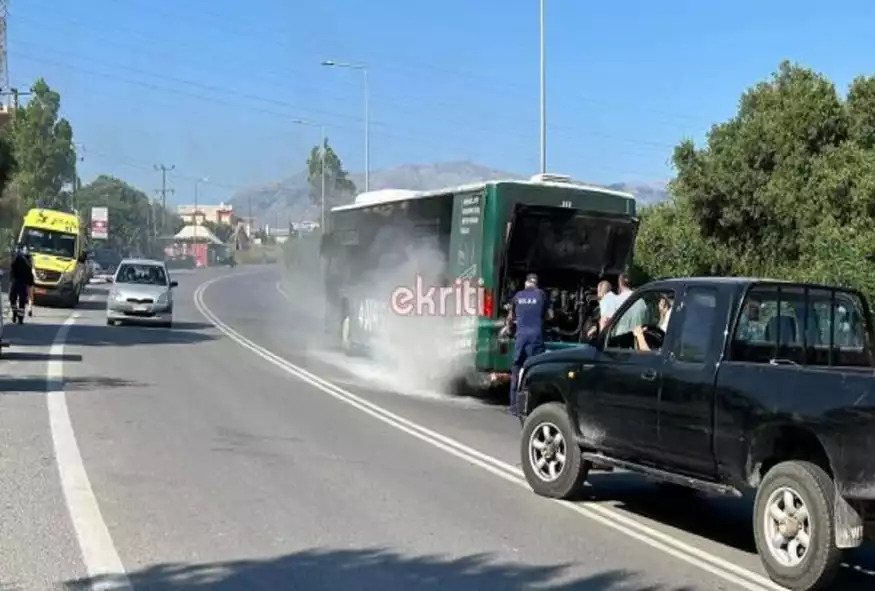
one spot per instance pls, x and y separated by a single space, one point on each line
345 343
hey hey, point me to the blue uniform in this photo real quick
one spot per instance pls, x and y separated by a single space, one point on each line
530 310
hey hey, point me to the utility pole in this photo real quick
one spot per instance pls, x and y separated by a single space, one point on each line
543 100
164 190
251 221
16 97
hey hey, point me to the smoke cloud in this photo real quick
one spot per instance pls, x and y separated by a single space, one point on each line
420 353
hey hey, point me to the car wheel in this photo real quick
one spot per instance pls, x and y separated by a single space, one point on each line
552 460
112 322
794 526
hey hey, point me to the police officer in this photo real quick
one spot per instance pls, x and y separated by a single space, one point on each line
530 308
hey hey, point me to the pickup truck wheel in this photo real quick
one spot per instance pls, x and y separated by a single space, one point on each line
794 526
552 461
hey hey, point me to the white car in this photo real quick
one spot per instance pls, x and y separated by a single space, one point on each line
141 292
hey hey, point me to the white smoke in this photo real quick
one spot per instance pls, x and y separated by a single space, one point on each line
421 353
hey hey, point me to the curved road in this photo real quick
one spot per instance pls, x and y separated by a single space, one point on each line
235 451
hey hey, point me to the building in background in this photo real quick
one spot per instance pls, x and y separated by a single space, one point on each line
217 214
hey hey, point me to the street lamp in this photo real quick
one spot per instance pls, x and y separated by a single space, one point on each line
364 70
321 163
543 94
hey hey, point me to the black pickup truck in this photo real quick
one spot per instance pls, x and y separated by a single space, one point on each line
730 386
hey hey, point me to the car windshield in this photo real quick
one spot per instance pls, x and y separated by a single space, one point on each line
50 242
143 274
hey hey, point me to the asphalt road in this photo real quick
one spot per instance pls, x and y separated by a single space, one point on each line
237 451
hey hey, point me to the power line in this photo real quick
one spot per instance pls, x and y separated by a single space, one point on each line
219 93
257 33
449 106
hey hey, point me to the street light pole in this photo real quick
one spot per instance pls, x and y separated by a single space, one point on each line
321 165
543 93
364 70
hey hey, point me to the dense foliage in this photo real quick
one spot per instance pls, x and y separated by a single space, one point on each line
134 220
784 189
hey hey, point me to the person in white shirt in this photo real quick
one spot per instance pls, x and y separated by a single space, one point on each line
607 303
607 306
637 313
625 290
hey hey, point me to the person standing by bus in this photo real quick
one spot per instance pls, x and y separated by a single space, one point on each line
530 309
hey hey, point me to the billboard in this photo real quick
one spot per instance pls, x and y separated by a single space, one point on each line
99 223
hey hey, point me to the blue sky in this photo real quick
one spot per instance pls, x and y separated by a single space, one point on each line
212 86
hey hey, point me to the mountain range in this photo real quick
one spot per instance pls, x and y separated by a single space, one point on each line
275 204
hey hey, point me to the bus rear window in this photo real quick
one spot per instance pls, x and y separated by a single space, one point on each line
557 238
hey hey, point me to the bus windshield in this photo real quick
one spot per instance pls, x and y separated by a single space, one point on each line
60 244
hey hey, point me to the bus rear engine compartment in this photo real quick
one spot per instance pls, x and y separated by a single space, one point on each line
570 251
574 307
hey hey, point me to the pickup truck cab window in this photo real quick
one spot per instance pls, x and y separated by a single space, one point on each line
802 326
700 314
643 323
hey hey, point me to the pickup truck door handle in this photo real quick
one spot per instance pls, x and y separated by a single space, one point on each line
649 375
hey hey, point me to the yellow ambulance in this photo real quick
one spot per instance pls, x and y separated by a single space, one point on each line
56 241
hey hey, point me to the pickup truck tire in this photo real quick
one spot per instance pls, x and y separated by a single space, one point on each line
547 435
809 486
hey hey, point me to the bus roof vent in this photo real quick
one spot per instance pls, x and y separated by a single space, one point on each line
551 178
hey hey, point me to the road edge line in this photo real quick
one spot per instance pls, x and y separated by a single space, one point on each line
98 552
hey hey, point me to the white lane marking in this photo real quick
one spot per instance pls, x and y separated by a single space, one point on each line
98 552
706 561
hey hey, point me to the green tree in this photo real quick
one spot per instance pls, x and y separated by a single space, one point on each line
7 161
8 199
43 145
338 186
134 219
786 188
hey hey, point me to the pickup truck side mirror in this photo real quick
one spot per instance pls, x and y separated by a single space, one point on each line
174 283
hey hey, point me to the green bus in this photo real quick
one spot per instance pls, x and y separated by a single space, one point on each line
492 233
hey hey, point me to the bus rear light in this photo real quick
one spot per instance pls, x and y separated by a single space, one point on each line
488 304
